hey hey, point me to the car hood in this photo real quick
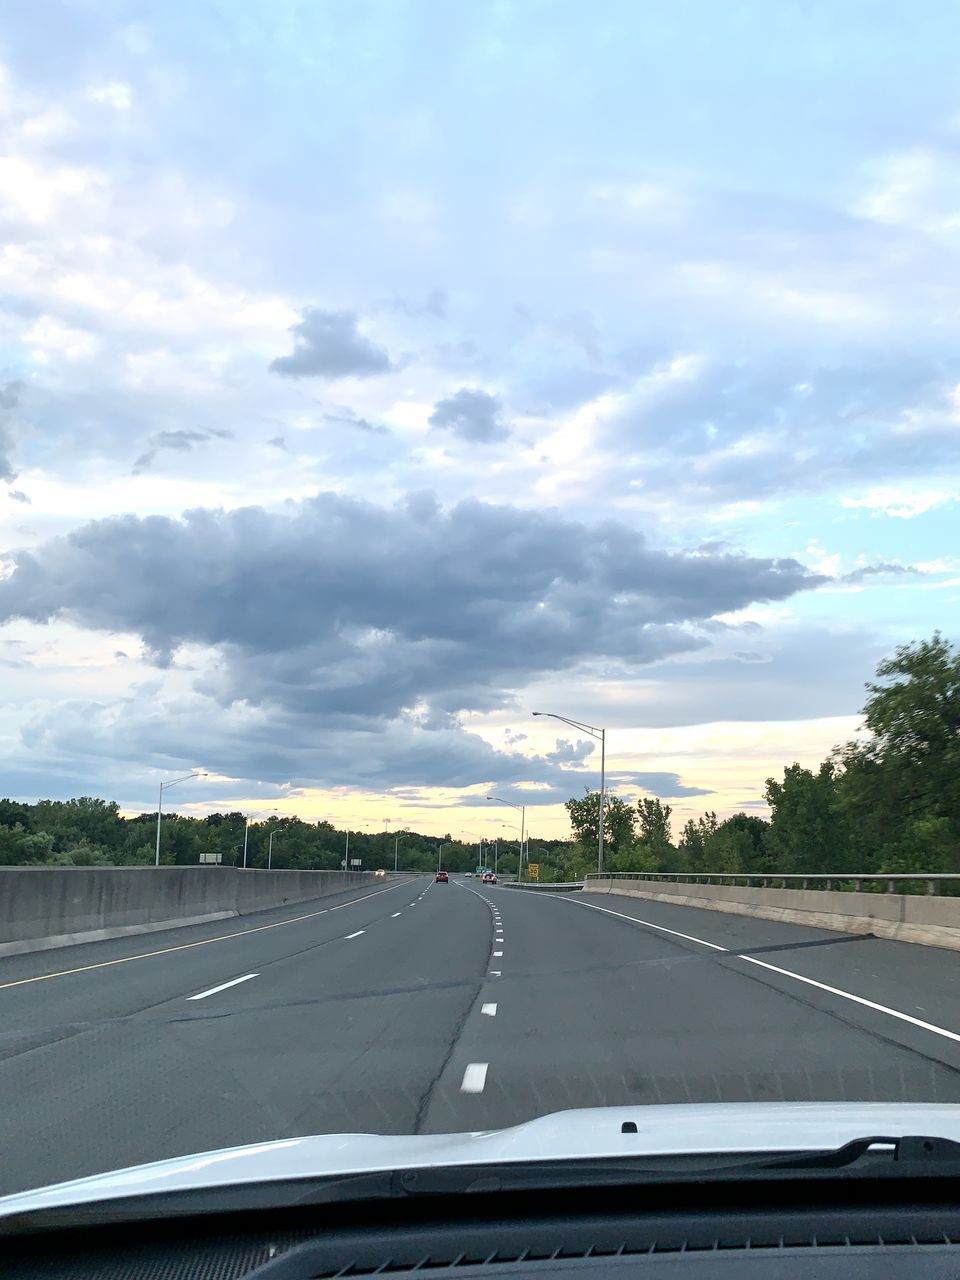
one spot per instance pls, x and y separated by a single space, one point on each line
683 1129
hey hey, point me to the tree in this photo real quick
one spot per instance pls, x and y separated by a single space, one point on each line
654 821
585 821
808 831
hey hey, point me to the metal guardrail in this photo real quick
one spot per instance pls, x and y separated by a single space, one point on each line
837 881
563 886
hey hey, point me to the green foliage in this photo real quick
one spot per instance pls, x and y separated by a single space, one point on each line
618 819
889 801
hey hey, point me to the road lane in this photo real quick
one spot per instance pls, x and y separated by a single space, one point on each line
333 1034
595 1010
448 1007
120 976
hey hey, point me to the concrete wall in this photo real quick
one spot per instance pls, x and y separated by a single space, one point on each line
927 919
43 907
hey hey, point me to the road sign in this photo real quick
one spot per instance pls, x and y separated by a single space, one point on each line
533 870
355 862
208 855
480 871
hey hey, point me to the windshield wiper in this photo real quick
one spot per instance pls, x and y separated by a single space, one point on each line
927 1153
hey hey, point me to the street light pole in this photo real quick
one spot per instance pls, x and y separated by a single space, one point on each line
246 828
270 850
163 787
523 828
396 848
602 735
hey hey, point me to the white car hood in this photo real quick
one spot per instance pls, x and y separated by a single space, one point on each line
688 1128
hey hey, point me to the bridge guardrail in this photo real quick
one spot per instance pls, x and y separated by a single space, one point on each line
564 886
837 881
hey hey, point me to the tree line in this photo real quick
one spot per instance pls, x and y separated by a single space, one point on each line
88 832
888 801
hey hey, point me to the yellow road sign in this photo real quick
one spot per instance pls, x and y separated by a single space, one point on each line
533 870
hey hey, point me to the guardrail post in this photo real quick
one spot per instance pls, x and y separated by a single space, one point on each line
829 883
891 886
932 886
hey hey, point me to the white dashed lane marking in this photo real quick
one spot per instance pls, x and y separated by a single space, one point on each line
474 1078
489 1009
202 995
354 935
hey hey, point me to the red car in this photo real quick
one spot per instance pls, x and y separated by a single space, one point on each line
488 878
442 878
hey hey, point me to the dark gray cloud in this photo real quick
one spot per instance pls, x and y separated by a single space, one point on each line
471 415
178 441
367 615
281 747
328 344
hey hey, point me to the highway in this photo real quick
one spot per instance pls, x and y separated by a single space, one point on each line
420 1007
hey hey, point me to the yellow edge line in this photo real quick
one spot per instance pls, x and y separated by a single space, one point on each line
186 946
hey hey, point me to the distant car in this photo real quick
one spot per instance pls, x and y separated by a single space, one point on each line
381 872
442 878
467 875
488 878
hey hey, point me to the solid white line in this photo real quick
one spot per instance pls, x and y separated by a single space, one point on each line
848 995
498 953
395 914
474 1078
788 973
489 1009
223 986
659 927
354 935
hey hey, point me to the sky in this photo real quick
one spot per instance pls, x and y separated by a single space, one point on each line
375 373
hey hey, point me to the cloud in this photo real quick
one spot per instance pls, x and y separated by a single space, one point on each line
19 496
114 93
570 754
881 569
701 430
435 304
471 415
347 417
9 400
178 441
328 344
401 616
901 503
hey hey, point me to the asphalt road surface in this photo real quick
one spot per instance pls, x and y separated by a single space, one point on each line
421 1007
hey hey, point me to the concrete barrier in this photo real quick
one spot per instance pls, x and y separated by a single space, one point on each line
924 918
43 907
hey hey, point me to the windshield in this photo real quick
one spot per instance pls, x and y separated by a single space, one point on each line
478 605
